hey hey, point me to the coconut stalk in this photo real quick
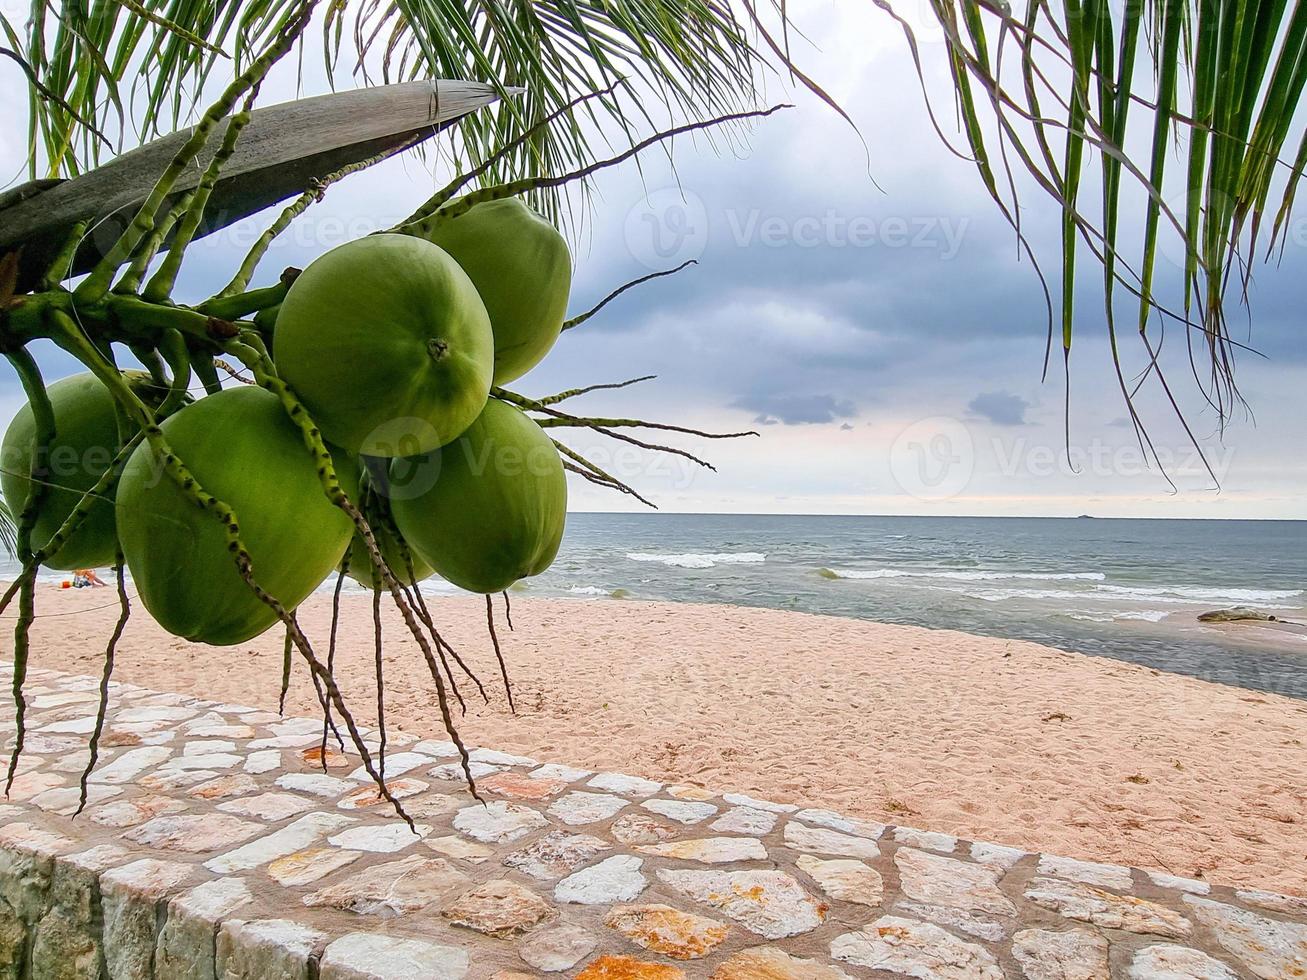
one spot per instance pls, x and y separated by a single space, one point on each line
71 338
125 611
34 387
178 343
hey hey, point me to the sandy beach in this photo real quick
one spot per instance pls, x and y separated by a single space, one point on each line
990 739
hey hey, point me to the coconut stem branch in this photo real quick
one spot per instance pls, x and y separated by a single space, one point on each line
576 321
161 284
607 427
446 193
251 353
113 318
205 369
424 227
578 421
313 194
237 306
43 413
130 281
592 472
68 335
97 283
63 260
577 392
110 650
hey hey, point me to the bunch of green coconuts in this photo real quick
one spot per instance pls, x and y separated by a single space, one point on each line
392 343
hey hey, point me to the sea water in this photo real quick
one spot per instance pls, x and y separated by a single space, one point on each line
1126 589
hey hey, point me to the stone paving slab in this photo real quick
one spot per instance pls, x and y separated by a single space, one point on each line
220 844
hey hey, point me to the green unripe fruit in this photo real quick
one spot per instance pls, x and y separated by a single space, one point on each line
266 322
85 443
362 571
489 508
522 268
387 343
243 449
266 319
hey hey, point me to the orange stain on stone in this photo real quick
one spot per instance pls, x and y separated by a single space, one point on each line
666 930
629 968
369 796
221 787
335 760
518 786
769 963
120 738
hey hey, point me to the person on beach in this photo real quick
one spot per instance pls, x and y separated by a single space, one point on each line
84 578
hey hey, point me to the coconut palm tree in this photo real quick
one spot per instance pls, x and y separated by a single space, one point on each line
1045 97
1082 101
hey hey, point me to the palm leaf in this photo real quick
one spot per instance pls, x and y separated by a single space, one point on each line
8 530
124 61
1226 83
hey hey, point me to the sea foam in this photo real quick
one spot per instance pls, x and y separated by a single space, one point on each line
702 561
962 576
1195 594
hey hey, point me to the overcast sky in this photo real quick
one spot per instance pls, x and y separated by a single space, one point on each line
864 311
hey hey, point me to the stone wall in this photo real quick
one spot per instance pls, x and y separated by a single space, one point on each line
219 843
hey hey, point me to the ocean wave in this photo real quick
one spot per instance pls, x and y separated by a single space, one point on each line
961 576
701 561
1170 595
1195 594
596 592
1003 595
1177 596
1117 615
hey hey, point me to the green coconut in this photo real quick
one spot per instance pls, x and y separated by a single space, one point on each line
362 571
266 322
488 509
373 490
85 443
387 343
522 268
242 448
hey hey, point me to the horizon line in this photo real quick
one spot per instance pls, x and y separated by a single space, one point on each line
965 517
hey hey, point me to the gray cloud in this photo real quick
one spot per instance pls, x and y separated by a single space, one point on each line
796 409
1000 407
799 331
